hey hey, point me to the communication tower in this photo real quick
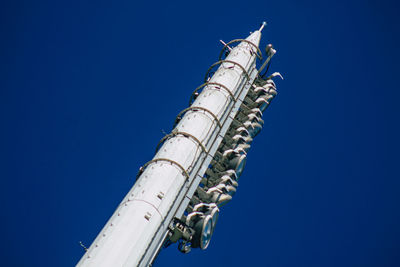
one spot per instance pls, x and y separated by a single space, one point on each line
178 194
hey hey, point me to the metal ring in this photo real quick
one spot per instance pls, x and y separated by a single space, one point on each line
184 134
226 61
167 160
212 83
258 53
178 118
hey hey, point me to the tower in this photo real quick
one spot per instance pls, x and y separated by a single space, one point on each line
178 194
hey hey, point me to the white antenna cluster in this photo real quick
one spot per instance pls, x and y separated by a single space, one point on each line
178 194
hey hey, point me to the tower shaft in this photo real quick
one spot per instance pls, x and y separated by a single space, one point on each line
135 232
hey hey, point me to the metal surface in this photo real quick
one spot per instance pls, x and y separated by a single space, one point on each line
135 232
215 86
224 62
194 108
184 134
258 51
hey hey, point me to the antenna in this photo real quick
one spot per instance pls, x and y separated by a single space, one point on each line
262 26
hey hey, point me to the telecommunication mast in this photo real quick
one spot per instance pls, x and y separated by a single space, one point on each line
178 194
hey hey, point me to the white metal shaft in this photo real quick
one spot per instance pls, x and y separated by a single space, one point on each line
134 233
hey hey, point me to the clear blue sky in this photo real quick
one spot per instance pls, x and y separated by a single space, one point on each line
87 89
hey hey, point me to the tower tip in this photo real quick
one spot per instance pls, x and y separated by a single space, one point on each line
262 25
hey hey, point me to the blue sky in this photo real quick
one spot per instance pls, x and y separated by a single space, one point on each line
87 89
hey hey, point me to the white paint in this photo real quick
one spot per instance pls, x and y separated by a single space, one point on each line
134 232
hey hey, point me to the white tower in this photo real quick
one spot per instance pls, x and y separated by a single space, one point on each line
195 170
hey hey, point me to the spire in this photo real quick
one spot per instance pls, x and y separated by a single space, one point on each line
255 37
262 26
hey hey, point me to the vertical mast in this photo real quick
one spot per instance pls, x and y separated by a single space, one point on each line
177 195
